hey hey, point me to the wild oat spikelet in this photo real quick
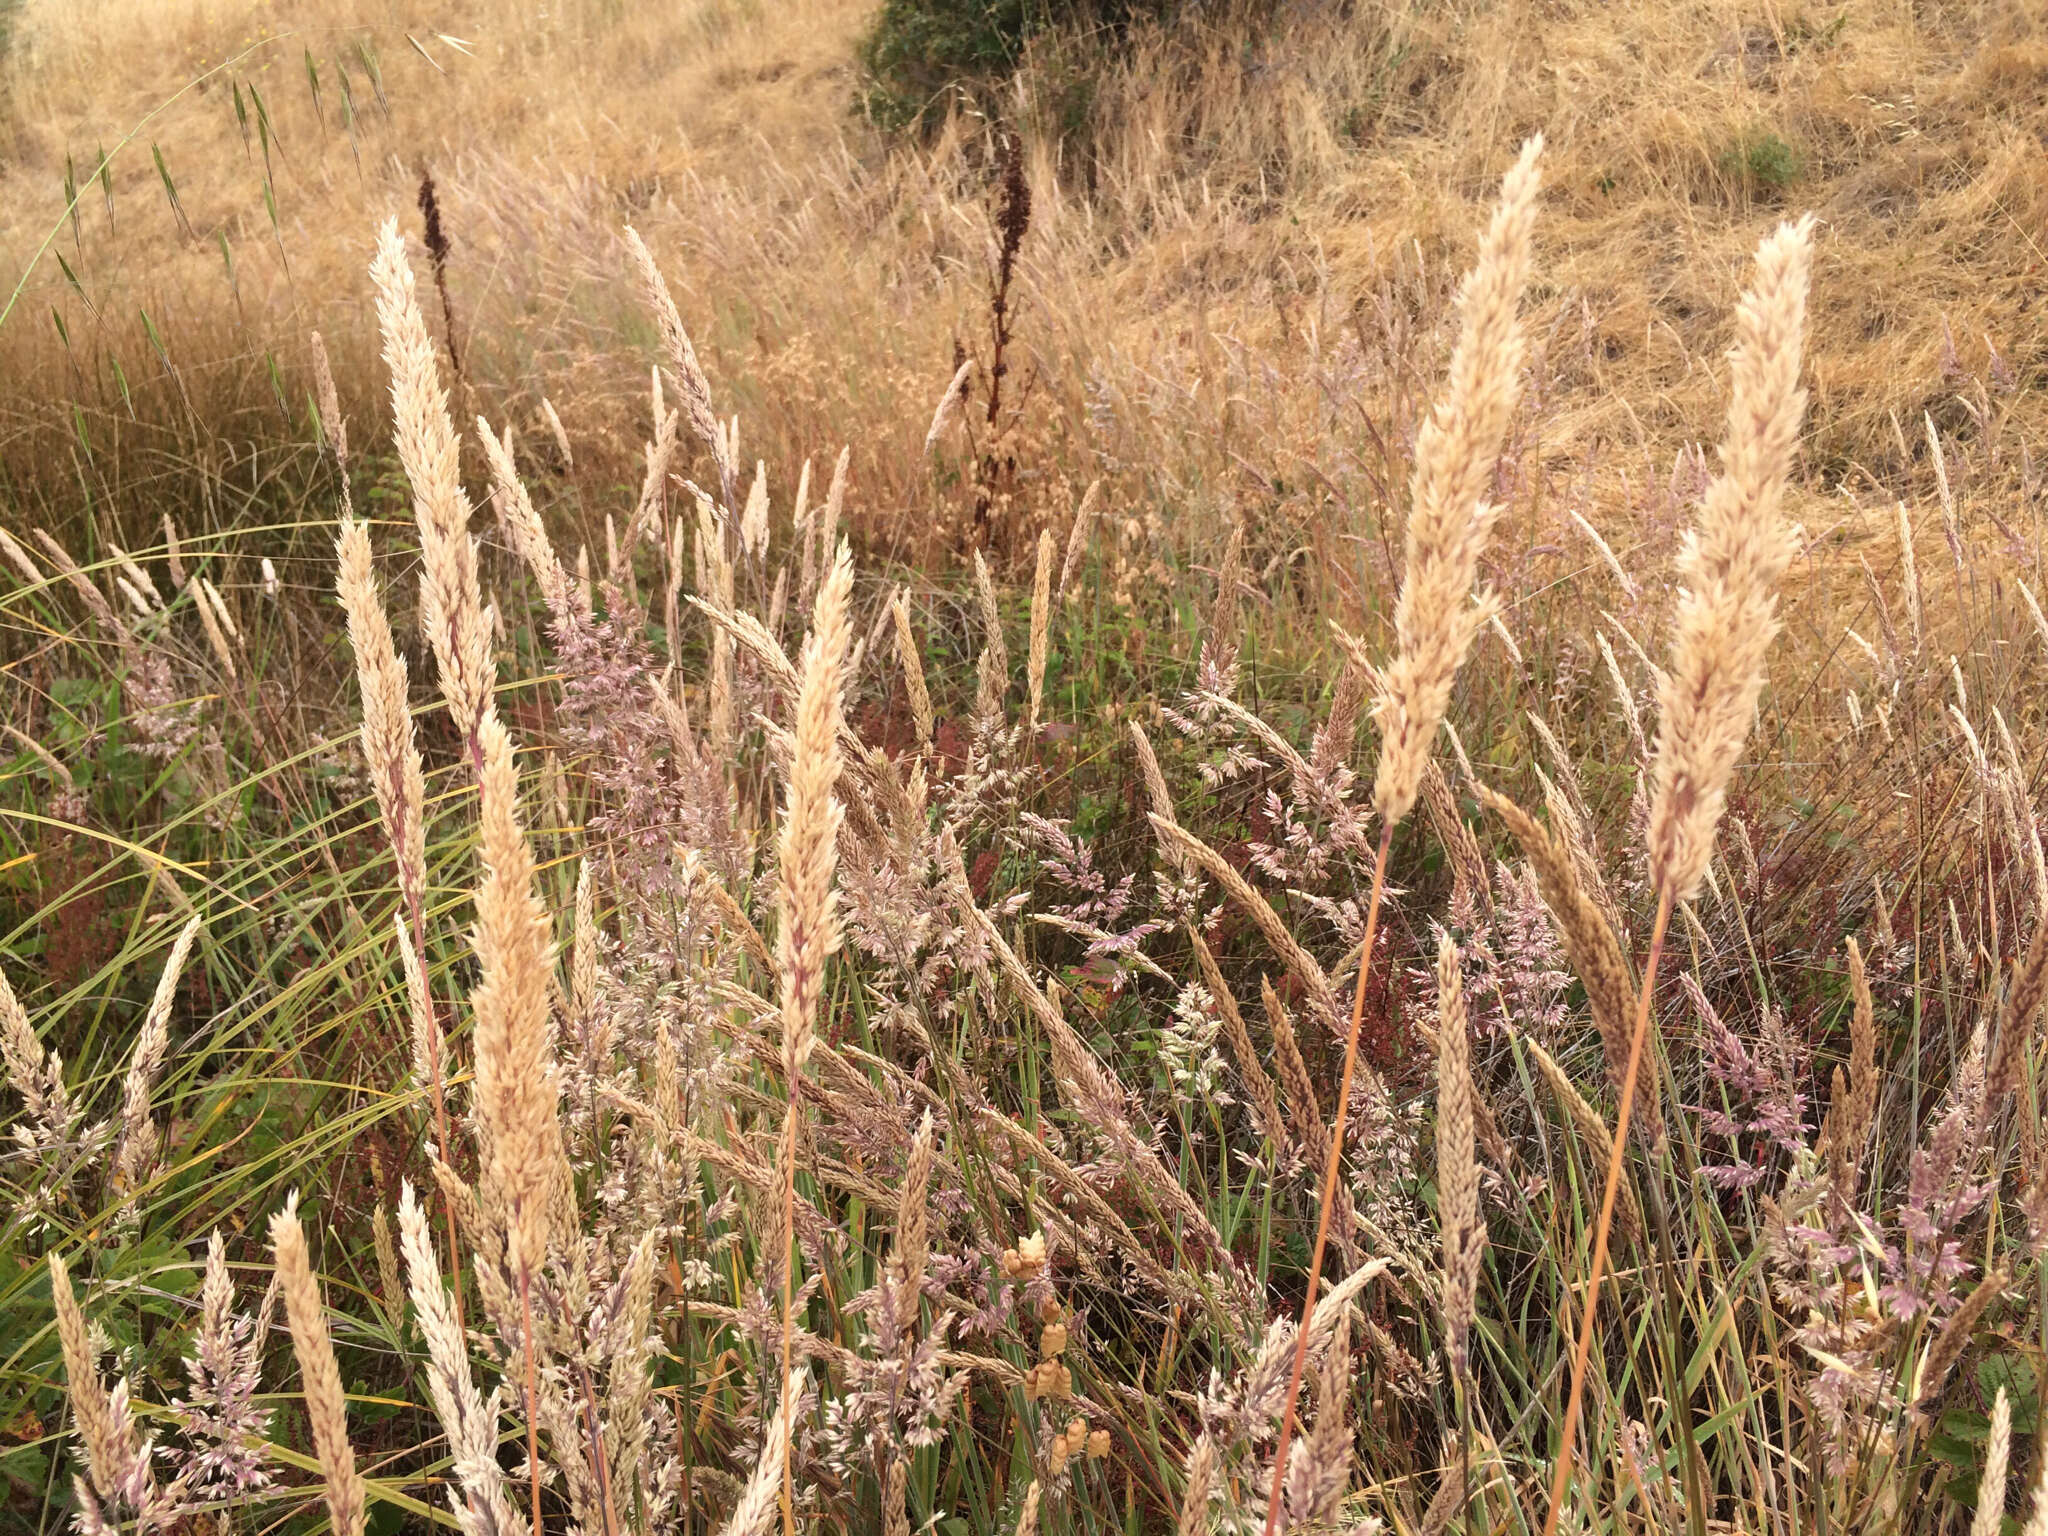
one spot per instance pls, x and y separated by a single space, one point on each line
515 1070
805 900
136 1152
326 1408
390 748
1437 616
1457 1167
1728 613
451 602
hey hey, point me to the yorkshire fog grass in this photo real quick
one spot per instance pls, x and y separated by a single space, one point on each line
714 819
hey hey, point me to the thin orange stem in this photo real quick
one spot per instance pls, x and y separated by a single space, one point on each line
1330 1168
1583 1350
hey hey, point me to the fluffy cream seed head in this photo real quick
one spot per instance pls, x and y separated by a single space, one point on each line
1437 617
390 748
682 361
515 1076
451 603
1732 561
326 1407
809 926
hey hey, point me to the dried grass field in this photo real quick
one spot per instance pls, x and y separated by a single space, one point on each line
904 765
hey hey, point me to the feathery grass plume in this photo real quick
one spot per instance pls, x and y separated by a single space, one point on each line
682 362
583 948
716 586
451 602
390 1289
754 1514
1194 1497
1853 1105
913 1231
809 851
1437 616
895 1499
220 609
1728 613
806 903
204 604
174 554
2016 1016
1591 1128
329 401
1307 1113
1457 1168
1077 540
36 1074
429 1044
470 1422
824 529
326 1408
94 599
993 669
1176 840
1041 628
948 409
18 558
112 1447
522 523
1628 585
390 748
135 1153
1990 1516
2037 1522
1953 1337
556 430
912 658
515 1071
1589 943
754 516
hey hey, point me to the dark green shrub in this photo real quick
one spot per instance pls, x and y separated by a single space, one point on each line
1760 163
922 54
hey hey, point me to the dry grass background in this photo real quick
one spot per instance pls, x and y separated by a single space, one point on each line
1197 259
1232 307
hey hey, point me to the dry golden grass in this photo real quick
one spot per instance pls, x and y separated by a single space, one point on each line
1195 286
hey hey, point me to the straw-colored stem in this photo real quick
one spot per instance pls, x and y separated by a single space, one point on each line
1331 1165
532 1396
439 1089
1582 1351
788 1239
